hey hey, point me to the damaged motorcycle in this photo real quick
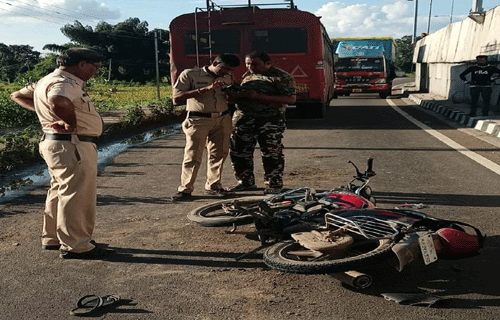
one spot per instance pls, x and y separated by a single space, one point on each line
341 230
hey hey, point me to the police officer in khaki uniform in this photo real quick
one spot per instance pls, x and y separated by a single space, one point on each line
207 125
71 127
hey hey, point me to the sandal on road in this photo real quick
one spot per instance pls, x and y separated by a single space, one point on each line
91 303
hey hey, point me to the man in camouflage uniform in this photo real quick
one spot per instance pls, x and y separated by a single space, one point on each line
260 117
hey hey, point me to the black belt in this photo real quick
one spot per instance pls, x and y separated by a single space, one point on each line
67 137
191 114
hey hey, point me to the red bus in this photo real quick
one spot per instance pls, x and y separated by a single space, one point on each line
295 40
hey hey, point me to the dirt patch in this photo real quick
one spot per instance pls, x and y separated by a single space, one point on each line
316 177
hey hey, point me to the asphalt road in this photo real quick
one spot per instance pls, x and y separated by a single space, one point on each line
172 269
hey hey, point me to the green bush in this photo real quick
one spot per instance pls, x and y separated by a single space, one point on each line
20 148
12 115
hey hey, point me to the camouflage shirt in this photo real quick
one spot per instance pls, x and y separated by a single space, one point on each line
274 82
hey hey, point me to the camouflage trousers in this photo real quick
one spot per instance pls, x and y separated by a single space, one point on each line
268 132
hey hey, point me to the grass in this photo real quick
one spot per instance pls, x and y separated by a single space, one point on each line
113 97
20 148
106 96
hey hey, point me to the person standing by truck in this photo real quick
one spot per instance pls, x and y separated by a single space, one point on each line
480 83
207 124
260 117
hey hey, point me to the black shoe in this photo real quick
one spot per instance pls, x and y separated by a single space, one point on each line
182 196
58 246
220 193
243 187
271 190
96 253
51 246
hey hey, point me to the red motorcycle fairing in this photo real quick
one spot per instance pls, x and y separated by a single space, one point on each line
348 200
456 242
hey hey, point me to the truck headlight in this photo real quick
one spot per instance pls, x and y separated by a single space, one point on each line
382 80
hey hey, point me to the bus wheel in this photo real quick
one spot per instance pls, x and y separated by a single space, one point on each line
383 95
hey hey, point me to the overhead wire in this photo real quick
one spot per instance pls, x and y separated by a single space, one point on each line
121 34
83 14
27 9
30 16
59 13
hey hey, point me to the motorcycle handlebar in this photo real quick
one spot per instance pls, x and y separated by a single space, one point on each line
369 164
369 168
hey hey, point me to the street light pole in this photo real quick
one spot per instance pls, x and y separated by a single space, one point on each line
451 14
430 14
415 22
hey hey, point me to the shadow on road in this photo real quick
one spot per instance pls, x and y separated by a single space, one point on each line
190 258
371 117
447 279
465 200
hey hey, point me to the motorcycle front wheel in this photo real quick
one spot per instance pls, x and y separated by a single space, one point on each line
291 257
213 214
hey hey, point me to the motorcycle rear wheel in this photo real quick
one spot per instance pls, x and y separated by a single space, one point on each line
212 215
280 256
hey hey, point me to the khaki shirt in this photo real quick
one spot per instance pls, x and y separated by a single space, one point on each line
210 101
65 84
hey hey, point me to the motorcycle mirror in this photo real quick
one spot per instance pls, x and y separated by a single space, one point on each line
358 173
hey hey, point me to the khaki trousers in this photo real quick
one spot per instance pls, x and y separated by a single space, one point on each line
212 134
70 208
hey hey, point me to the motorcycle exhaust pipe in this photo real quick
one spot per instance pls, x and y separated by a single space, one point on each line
354 279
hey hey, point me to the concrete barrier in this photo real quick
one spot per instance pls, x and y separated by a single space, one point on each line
441 56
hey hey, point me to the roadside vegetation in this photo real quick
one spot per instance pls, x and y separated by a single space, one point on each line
127 83
19 144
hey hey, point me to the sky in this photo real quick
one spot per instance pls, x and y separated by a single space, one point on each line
38 22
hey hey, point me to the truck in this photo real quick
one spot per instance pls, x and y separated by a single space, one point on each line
364 65
296 41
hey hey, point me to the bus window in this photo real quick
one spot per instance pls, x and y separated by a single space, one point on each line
289 40
223 41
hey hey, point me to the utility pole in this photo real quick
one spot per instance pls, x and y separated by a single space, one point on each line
451 14
109 70
477 6
430 14
415 22
157 66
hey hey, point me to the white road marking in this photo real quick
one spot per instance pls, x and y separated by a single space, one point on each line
441 137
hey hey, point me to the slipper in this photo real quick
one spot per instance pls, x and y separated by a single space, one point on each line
90 303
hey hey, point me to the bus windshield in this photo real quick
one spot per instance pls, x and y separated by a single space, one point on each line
359 64
222 41
279 40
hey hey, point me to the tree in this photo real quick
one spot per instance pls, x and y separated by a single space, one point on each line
40 70
15 59
129 45
404 54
